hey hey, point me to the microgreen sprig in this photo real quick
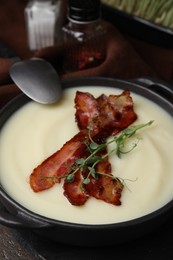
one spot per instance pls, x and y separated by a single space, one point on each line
125 135
94 150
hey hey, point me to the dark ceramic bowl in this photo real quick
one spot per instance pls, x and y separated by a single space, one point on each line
14 215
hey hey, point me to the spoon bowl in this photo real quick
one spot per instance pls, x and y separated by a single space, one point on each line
37 79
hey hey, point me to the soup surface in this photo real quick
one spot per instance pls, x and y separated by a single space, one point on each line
36 131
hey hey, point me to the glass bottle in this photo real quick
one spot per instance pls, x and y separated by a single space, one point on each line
44 21
83 35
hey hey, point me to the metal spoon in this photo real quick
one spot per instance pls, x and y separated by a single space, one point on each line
37 79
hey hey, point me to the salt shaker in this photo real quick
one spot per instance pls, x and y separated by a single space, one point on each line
44 20
83 35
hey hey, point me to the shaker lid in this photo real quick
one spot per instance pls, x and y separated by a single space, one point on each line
84 10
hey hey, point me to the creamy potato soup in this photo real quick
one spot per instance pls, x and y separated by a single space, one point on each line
36 131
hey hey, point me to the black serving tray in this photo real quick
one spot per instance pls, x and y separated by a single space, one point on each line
137 27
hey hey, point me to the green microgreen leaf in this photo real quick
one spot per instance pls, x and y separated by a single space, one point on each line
70 177
93 146
93 159
80 161
92 171
86 181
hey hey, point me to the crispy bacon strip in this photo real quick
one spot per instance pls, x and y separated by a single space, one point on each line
109 114
58 165
105 187
115 117
87 110
75 191
123 105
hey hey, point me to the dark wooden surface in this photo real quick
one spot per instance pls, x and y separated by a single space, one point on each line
26 245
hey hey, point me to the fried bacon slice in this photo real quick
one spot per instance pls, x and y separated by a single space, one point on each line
104 116
75 191
105 187
123 105
58 165
87 110
110 114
